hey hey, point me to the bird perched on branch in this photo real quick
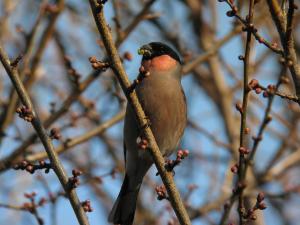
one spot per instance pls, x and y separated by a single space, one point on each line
161 95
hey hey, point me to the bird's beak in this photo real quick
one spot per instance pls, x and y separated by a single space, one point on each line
145 50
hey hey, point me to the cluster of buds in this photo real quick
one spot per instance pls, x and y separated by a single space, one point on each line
74 180
143 73
181 154
161 192
254 85
31 168
142 143
269 91
86 205
32 205
244 150
260 205
55 133
75 76
25 113
97 64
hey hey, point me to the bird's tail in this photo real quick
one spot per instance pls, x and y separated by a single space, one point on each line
125 205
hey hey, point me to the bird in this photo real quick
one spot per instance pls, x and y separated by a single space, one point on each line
163 100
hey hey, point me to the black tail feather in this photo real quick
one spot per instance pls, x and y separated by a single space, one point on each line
124 208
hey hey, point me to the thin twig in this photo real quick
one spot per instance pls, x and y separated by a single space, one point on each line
80 139
241 207
253 30
242 160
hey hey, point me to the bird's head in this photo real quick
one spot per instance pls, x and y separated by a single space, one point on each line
158 56
155 49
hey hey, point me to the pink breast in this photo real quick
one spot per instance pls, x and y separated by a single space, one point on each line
161 63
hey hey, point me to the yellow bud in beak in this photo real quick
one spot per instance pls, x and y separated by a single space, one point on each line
144 51
141 51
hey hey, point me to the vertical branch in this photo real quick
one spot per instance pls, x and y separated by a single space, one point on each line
119 71
246 90
240 186
45 139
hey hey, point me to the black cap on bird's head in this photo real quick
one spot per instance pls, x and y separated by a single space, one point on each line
154 49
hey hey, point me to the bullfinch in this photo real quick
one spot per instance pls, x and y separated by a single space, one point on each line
163 101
